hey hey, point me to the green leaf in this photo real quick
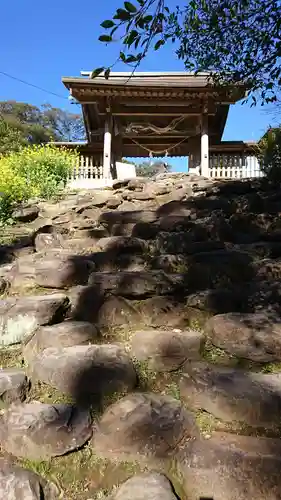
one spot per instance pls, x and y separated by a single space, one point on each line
97 72
131 38
107 73
105 38
107 24
159 44
122 15
130 7
147 19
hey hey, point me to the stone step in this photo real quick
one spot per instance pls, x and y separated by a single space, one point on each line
136 284
39 431
166 350
143 425
87 373
215 469
233 395
254 336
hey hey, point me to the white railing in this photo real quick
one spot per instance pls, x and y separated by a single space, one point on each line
234 166
88 173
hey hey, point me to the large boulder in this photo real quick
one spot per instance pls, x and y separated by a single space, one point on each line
47 237
161 311
87 373
20 317
121 243
147 486
63 272
138 283
26 214
232 394
143 425
17 483
66 334
255 336
166 350
212 469
14 385
40 431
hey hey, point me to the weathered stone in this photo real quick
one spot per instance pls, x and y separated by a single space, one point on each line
86 302
66 334
116 260
232 394
162 311
255 336
85 372
117 184
147 486
26 214
113 202
143 425
166 350
117 311
63 272
13 385
141 196
137 183
126 217
20 317
17 483
47 237
117 243
137 284
4 285
213 470
40 431
90 213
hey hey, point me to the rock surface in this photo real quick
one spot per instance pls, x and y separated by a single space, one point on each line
87 373
233 394
14 385
17 483
166 350
211 469
20 317
63 272
40 431
149 486
66 334
143 425
252 336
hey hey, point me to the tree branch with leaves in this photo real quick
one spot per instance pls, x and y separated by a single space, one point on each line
233 40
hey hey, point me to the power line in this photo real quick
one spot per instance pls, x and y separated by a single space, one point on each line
32 85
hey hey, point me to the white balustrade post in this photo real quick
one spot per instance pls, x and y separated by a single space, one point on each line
107 148
204 146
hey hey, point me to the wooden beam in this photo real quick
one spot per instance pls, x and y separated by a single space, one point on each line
157 112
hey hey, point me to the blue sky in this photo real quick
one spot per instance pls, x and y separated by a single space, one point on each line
42 41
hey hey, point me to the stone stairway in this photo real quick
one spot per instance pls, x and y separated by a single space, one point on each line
140 344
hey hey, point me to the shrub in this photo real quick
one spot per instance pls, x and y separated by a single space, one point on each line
34 171
269 153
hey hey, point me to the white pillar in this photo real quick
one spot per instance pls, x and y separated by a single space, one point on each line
204 146
107 148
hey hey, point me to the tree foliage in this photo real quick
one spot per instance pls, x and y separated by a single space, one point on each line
149 169
269 153
23 124
234 40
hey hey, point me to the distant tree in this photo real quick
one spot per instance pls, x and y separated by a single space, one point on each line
269 153
234 40
148 169
11 138
23 123
66 126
